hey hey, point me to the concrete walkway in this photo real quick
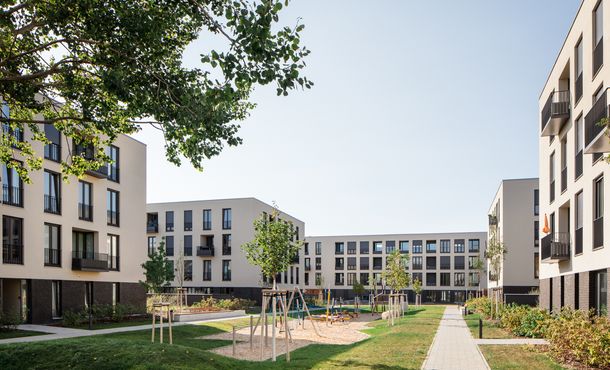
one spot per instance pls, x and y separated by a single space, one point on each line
512 341
55 332
453 347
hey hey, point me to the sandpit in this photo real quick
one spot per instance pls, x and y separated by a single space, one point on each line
337 333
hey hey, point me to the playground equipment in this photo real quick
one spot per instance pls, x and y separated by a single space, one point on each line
161 309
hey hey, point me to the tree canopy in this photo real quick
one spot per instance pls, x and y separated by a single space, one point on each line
158 270
395 273
96 69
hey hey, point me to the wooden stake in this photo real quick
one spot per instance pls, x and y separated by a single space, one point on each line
152 339
287 332
274 303
251 333
233 340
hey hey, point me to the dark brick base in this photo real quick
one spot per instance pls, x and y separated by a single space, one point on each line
574 290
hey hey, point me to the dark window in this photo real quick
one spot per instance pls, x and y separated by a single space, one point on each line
351 263
169 245
598 212
226 218
418 276
306 249
417 246
318 278
318 248
339 278
188 220
52 151
306 278
339 263
351 247
207 219
458 279
431 279
417 263
152 222
226 270
474 245
578 223
403 245
188 270
52 192
430 246
445 262
152 241
390 246
377 263
578 64
188 245
537 265
112 205
600 282
85 205
351 278
473 279
598 39
458 245
458 262
12 187
112 242
226 244
52 248
318 263
207 270
83 246
364 278
536 202
579 140
364 247
552 177
339 248
431 263
169 221
364 263
445 246
377 247
445 278
56 299
307 264
113 165
536 233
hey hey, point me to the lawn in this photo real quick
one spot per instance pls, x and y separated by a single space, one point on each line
508 357
402 346
490 329
110 325
6 334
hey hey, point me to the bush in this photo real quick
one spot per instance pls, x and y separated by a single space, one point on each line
213 304
9 321
101 312
524 321
481 305
75 318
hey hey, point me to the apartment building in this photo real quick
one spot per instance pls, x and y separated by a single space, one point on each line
513 221
66 245
575 252
206 236
444 263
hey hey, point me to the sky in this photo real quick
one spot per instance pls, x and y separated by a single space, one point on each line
419 110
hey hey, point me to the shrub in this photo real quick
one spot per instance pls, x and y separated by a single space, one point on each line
533 323
101 312
481 305
9 321
74 318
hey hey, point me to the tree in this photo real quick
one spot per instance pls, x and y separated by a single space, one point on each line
395 273
274 246
158 270
417 289
358 289
96 69
479 266
495 254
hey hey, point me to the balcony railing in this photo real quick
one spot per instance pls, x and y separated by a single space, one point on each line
52 257
12 195
113 262
113 173
101 172
598 232
152 227
52 152
188 226
52 204
556 247
598 56
578 88
207 225
578 165
12 254
85 212
205 251
564 179
492 220
112 218
89 261
351 267
377 267
578 241
595 140
555 112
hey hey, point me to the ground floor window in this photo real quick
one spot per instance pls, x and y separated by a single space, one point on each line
601 292
56 299
116 293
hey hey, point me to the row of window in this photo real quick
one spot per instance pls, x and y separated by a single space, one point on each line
83 246
474 246
350 263
187 270
207 242
56 296
459 278
152 220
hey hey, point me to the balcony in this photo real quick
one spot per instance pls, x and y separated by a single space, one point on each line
152 227
87 261
556 247
493 220
12 254
598 56
88 153
100 173
595 138
555 113
52 257
205 251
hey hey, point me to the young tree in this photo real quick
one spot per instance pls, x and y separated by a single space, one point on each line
358 289
158 270
417 289
99 68
395 273
274 245
478 266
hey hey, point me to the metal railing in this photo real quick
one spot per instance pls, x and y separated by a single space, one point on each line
578 165
113 173
12 253
12 195
598 232
52 204
598 56
558 104
598 112
205 251
152 227
207 225
85 212
89 261
188 226
555 246
52 257
112 218
52 152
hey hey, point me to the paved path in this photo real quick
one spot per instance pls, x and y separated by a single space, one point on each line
511 341
55 332
453 347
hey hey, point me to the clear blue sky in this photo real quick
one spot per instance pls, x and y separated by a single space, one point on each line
419 109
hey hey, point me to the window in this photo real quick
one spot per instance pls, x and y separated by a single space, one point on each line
188 270
578 63
339 278
52 151
417 276
339 263
307 264
351 247
445 278
306 249
113 165
552 177
169 245
445 246
473 278
351 278
351 263
17 132
598 33
291 274
430 246
390 246
459 279
377 263
536 265
364 278
152 222
431 263
207 270
536 202
82 245
318 280
306 277
458 245
377 247
598 212
56 299
458 262
318 263
601 292
188 220
169 221
364 247
339 248
207 219
226 218
445 262
564 164
52 245
12 240
474 245
403 246
318 248
112 242
579 142
377 278
88 294
12 187
226 270
417 246
152 241
431 279
579 223
52 192
188 245
226 244
536 233
116 293
112 205
417 263
364 263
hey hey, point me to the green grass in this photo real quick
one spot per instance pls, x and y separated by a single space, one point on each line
6 334
491 330
509 357
110 325
403 346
